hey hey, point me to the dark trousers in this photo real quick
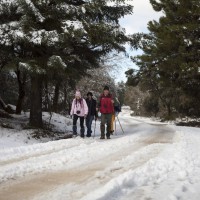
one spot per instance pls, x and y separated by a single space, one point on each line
106 119
89 120
75 118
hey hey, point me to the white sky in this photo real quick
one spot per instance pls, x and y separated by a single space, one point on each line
137 22
142 14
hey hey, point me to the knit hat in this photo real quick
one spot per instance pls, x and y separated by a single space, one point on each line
106 88
89 94
78 94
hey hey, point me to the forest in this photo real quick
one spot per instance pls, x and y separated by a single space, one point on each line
48 49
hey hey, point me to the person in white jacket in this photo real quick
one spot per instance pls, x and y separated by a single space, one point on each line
79 109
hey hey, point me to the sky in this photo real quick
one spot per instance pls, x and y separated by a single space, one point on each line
137 22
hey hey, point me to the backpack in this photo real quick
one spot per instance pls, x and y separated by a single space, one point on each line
118 108
106 106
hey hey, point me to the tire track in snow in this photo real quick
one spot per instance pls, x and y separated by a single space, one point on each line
27 188
34 155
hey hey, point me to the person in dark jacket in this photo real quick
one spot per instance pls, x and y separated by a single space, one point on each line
106 108
92 113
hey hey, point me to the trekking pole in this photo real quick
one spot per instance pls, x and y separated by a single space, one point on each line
115 127
94 128
120 125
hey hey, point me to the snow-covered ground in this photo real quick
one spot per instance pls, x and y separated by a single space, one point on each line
18 136
151 161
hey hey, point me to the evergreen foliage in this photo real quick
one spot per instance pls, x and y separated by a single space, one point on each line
170 64
58 40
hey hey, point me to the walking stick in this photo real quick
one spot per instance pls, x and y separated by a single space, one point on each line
94 128
115 127
120 125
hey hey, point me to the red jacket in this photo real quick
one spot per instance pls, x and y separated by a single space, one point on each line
106 105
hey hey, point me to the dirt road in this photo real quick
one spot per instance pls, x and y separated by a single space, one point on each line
86 177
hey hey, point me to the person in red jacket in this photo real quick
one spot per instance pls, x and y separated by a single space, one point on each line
106 108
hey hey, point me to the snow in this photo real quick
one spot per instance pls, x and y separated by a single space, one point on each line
35 10
151 160
10 138
17 137
83 9
56 61
75 24
188 42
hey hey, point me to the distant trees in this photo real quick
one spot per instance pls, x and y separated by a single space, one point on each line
169 68
134 98
151 105
95 81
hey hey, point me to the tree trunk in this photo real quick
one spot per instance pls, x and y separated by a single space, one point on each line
2 103
56 97
65 97
46 91
169 112
36 101
69 106
21 84
5 107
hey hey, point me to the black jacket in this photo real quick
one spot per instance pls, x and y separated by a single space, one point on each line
91 107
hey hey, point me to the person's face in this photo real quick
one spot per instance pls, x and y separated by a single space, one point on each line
89 96
105 92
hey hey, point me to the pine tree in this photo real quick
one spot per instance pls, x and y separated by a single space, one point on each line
62 37
169 66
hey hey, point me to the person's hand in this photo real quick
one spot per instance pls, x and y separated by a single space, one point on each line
112 101
85 116
97 109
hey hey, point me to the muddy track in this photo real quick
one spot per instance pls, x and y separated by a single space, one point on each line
28 188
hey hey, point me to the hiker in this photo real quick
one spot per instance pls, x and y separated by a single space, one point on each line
117 110
79 109
106 108
92 113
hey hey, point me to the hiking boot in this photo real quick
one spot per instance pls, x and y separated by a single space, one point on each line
74 135
108 135
102 137
82 131
74 129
